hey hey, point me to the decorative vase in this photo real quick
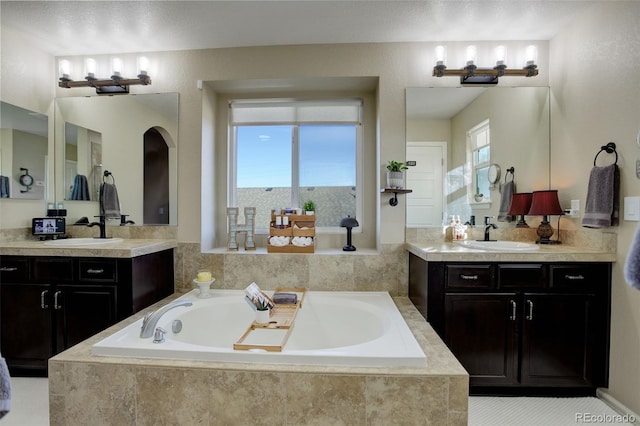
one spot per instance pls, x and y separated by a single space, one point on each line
395 179
263 317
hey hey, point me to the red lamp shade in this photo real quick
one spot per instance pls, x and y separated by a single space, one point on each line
520 203
545 203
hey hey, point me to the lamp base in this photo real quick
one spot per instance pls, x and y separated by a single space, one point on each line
545 231
521 223
349 248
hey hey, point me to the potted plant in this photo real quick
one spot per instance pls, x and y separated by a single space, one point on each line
395 174
309 207
263 314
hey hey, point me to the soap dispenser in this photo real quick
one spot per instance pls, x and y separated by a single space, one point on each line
449 230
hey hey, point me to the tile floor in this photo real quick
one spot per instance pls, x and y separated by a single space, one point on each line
30 407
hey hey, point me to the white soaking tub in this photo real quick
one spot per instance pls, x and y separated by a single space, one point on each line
359 329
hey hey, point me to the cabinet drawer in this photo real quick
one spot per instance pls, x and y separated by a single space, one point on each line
52 269
14 270
521 275
579 276
466 276
99 270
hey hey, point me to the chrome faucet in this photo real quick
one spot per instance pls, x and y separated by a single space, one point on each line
102 224
151 318
487 227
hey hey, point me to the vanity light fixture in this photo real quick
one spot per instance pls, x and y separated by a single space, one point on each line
546 203
520 205
115 84
471 74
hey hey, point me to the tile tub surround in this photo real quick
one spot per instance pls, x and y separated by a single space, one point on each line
84 389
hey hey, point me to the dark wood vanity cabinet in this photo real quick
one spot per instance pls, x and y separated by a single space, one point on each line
520 328
48 304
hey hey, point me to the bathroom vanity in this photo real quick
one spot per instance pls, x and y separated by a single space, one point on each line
532 323
53 298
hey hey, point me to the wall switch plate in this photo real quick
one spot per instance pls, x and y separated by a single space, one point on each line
632 208
575 208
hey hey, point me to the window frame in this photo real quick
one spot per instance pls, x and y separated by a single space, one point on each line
232 168
473 150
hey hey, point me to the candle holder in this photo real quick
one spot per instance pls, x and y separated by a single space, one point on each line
204 280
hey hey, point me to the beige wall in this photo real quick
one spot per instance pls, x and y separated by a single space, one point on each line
596 99
590 106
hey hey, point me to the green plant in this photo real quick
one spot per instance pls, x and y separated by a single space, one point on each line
309 206
396 166
262 304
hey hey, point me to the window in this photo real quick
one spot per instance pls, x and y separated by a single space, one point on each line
479 139
284 152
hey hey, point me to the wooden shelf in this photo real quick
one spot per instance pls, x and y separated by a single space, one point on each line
395 191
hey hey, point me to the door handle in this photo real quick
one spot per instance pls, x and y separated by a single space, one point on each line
56 305
512 317
530 314
43 299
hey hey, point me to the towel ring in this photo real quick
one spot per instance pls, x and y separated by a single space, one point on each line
609 148
511 170
106 174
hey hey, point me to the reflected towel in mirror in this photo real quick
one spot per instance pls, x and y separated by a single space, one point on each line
80 189
506 193
4 187
5 388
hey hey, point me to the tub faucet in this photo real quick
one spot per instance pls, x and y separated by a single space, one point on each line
102 224
151 318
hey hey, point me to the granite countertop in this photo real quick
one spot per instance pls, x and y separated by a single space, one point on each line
440 251
127 248
440 360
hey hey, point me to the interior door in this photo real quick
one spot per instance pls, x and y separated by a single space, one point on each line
426 179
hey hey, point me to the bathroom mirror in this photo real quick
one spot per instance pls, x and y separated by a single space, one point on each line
518 120
132 137
23 153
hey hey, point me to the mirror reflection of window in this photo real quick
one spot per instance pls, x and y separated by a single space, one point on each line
479 142
82 165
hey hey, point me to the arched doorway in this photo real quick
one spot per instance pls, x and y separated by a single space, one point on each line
156 179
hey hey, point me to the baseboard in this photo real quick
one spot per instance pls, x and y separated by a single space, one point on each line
619 407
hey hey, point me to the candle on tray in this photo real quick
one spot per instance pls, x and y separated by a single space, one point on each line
204 276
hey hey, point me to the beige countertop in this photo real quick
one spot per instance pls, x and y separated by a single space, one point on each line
440 251
127 248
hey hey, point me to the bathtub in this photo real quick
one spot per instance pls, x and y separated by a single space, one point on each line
357 329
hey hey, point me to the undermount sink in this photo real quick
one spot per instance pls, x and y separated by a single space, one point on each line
500 245
72 242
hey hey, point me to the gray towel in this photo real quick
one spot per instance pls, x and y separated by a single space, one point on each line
506 193
632 264
80 188
5 388
4 187
603 198
109 202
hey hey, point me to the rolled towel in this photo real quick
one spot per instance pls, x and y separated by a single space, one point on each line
632 264
282 298
506 193
109 201
5 388
603 198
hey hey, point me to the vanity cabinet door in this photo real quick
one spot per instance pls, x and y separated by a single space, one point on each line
558 341
480 330
82 311
26 328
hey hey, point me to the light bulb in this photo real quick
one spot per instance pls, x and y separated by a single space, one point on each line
441 55
116 66
64 68
501 55
531 55
143 65
472 55
90 67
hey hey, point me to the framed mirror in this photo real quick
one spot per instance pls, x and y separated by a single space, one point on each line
130 141
473 129
24 149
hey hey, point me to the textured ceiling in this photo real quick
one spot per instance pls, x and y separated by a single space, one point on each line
102 27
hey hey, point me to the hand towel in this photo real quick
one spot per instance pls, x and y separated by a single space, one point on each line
506 193
632 264
4 187
109 202
5 388
80 188
603 198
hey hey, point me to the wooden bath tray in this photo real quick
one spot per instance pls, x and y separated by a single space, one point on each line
274 335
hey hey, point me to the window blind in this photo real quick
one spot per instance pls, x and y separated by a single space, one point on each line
273 112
